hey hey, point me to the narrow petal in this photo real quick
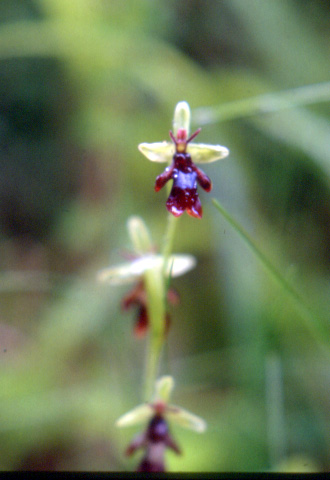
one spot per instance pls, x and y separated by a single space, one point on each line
157 152
204 153
138 442
164 177
203 180
135 297
142 323
171 443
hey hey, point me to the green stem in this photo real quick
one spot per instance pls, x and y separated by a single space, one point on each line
313 323
154 282
154 351
156 287
169 237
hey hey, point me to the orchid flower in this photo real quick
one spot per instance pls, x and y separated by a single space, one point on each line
157 437
182 156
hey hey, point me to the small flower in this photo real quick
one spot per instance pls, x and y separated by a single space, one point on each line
157 437
182 170
144 261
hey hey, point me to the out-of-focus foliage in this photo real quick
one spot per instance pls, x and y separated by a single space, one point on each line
82 82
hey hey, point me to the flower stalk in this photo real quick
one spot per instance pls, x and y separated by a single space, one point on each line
155 287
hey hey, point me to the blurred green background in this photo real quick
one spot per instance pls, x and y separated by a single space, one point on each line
82 83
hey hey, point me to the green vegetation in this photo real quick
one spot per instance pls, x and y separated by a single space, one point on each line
82 83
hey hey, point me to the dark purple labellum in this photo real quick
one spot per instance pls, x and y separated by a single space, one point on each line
185 176
154 440
157 429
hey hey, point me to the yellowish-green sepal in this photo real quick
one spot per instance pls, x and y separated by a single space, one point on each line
158 151
130 271
181 120
164 387
137 415
178 415
200 152
139 235
185 419
204 153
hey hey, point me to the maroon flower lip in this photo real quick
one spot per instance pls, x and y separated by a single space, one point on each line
185 176
155 440
137 297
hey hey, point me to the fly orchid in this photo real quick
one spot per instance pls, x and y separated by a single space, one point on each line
181 155
157 437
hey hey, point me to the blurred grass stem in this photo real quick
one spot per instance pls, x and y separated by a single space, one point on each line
313 323
275 409
266 103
